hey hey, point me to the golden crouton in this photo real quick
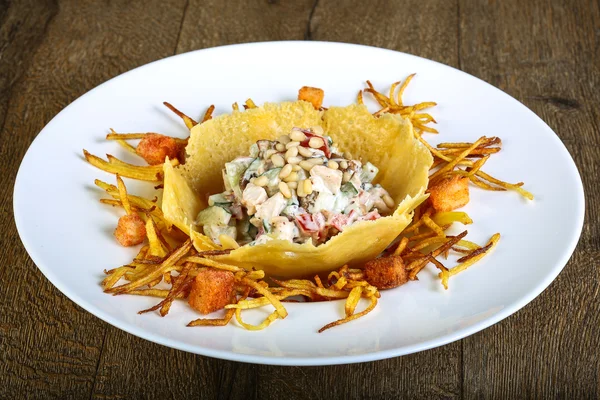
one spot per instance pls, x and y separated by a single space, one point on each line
386 272
131 230
449 193
154 148
211 291
312 95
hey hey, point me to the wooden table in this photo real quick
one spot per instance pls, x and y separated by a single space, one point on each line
544 53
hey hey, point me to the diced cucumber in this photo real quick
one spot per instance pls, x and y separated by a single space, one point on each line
368 173
213 215
254 150
218 200
349 189
252 170
234 171
214 231
273 177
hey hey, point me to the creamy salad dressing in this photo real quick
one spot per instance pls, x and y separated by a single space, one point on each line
296 188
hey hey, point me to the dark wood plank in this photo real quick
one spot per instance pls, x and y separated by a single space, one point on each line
217 23
424 28
51 54
545 53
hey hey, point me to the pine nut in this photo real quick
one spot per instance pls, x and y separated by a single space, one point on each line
305 151
297 135
285 190
307 186
387 199
316 142
269 153
280 147
294 160
333 164
277 160
348 155
306 165
292 177
292 185
284 139
296 168
292 144
285 171
344 164
292 152
300 191
347 176
261 181
318 130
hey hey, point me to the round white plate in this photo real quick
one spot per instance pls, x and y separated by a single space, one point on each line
68 233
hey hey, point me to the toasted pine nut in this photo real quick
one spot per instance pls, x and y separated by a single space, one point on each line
306 165
307 185
261 181
293 160
285 171
284 139
292 152
316 142
285 190
297 135
277 160
300 191
347 176
269 153
292 177
387 199
318 130
305 151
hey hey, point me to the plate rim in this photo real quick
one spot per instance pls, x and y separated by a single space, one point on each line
318 360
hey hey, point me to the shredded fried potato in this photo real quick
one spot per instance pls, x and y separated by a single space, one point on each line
169 257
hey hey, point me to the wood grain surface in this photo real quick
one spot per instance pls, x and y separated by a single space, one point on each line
544 53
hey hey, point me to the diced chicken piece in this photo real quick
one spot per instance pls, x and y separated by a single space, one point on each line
325 179
284 229
386 272
131 230
271 208
154 148
449 193
377 193
211 290
253 196
312 95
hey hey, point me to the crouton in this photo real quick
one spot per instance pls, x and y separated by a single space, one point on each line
386 272
154 148
131 230
211 291
312 95
449 193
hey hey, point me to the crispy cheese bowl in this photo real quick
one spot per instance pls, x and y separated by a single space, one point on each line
388 142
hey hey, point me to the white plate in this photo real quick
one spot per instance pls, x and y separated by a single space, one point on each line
69 234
